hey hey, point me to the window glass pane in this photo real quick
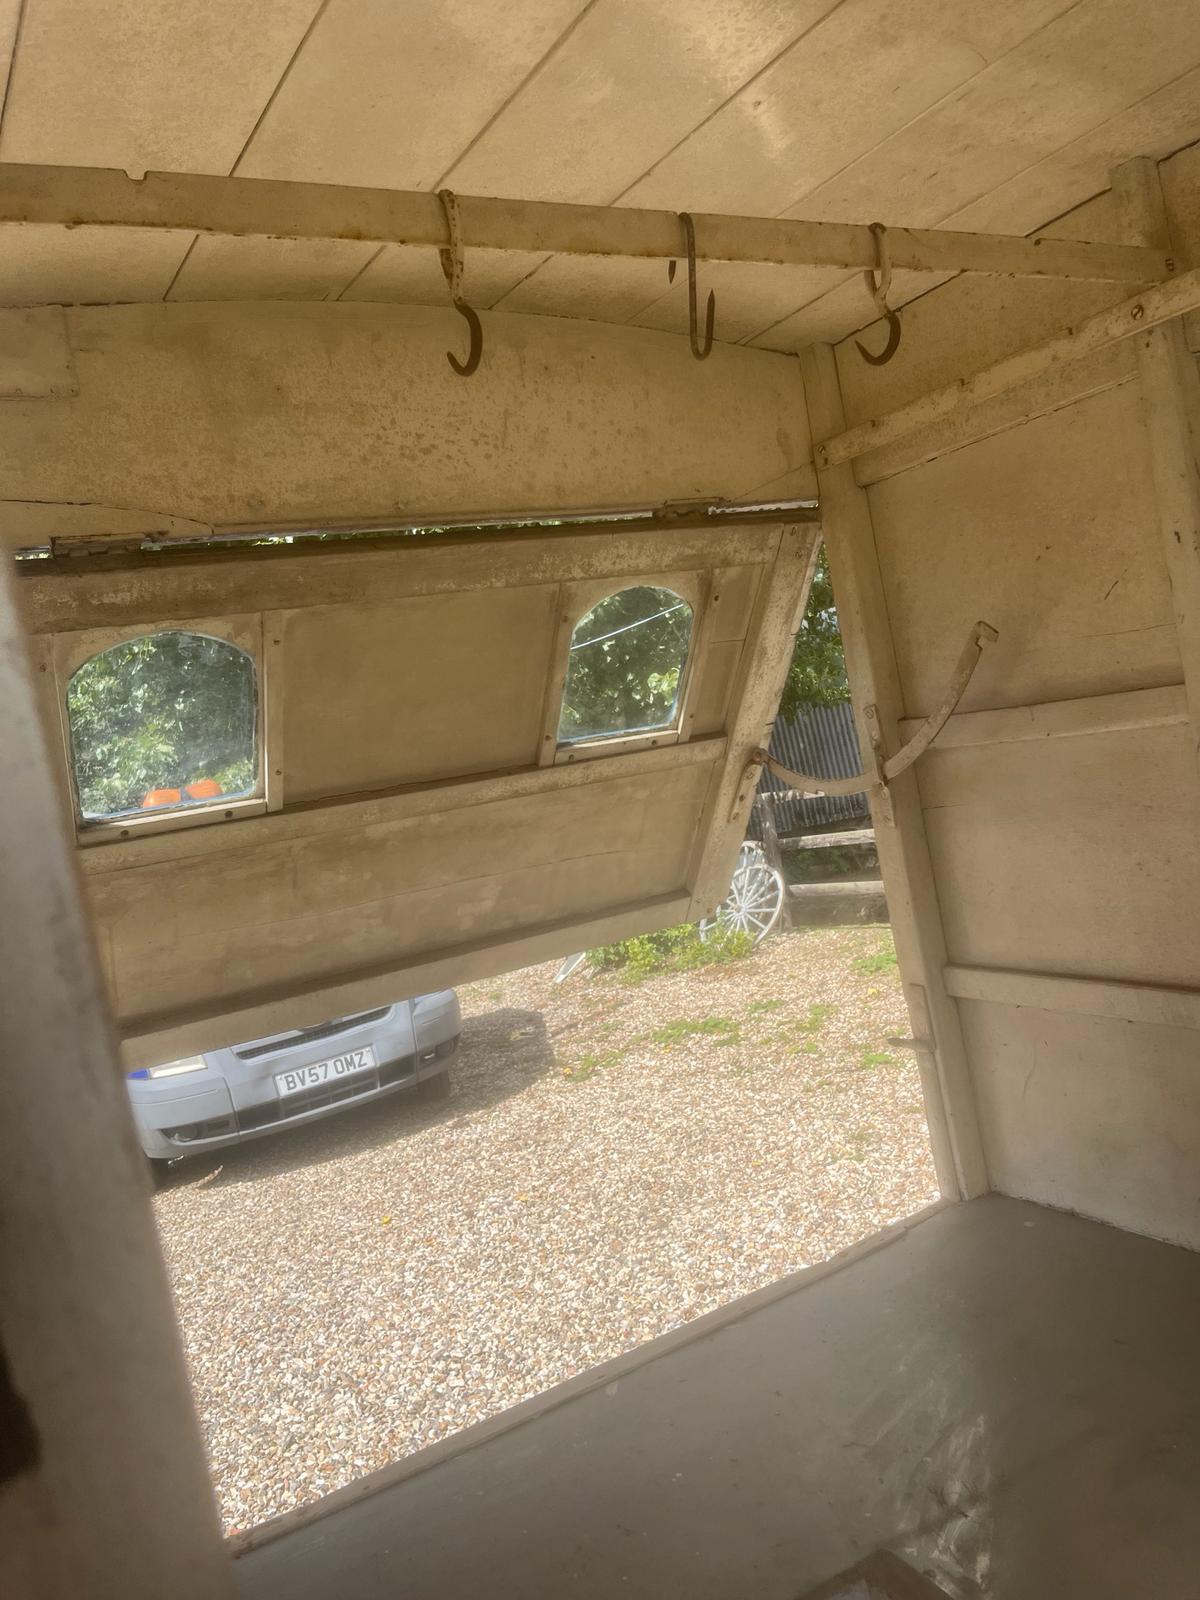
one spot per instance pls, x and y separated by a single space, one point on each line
626 665
163 721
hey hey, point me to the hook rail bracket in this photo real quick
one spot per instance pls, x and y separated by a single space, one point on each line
451 257
879 282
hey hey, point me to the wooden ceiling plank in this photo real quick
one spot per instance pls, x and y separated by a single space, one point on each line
864 71
400 127
1135 105
138 86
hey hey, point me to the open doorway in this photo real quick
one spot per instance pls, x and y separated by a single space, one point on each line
591 1163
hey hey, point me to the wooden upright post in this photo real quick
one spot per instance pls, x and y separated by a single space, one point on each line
104 1491
899 824
1171 402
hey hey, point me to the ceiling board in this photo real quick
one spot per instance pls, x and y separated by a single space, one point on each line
1158 124
269 269
410 276
86 266
603 288
865 71
127 83
748 296
400 127
390 94
623 88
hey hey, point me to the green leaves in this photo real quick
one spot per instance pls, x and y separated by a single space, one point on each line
626 661
817 676
161 712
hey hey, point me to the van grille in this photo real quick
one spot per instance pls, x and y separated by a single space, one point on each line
324 1030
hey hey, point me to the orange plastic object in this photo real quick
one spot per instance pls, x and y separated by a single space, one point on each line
203 789
162 797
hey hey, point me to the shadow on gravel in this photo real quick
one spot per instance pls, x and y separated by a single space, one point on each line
502 1052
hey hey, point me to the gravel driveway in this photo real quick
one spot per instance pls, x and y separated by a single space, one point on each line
614 1160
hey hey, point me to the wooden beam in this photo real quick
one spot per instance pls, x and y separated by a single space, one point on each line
899 822
828 841
1163 303
1061 719
1092 997
1171 401
272 208
111 1495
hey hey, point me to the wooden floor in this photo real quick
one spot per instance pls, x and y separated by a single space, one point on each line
1007 1397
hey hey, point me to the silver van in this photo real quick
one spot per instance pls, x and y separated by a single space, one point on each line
221 1097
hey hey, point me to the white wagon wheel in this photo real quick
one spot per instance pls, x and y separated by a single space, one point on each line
755 899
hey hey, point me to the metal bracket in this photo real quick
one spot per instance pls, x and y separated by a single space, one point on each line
883 767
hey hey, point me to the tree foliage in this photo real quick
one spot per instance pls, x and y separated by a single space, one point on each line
817 675
161 712
627 657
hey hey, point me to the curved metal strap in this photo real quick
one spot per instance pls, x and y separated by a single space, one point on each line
806 782
982 633
700 351
879 287
452 266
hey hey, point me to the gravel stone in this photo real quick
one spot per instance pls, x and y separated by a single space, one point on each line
358 1289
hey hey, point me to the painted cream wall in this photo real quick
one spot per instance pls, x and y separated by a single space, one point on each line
259 412
1055 855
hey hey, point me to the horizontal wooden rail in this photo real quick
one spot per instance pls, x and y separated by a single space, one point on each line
1159 304
1095 997
1062 719
839 889
828 841
274 208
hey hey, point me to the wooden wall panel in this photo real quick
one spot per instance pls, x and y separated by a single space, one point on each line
427 688
234 413
1070 855
294 914
1094 1115
1048 532
1075 855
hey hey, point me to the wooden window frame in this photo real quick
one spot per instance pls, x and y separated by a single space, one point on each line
68 652
576 600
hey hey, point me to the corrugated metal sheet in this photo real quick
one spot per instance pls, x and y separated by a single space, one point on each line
822 741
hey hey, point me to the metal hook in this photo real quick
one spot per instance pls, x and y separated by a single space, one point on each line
879 291
452 267
700 351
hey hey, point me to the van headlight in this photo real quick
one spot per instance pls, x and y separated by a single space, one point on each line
174 1069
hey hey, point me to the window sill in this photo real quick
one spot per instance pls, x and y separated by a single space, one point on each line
127 829
618 744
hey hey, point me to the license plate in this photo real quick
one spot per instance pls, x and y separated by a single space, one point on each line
344 1066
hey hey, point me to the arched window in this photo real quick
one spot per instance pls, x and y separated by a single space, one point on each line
626 665
161 722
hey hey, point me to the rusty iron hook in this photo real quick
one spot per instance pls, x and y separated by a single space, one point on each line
452 266
878 287
700 351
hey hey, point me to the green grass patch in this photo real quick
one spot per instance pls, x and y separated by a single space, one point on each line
876 1058
723 1029
758 1008
678 949
589 1065
876 961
